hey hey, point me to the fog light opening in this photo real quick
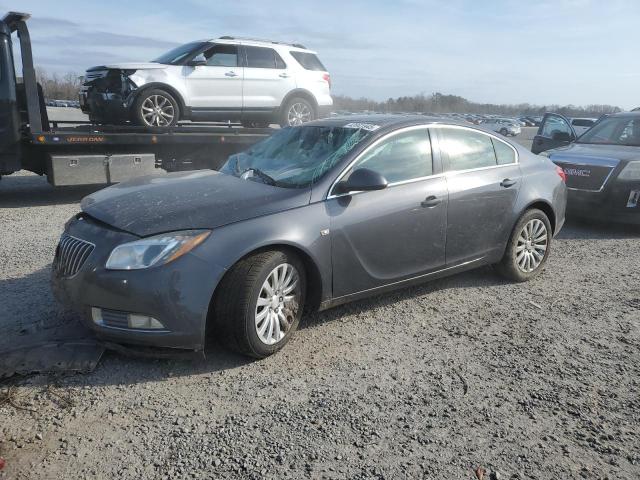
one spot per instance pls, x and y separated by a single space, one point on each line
144 322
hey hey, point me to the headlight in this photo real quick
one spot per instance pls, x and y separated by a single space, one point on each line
153 251
631 171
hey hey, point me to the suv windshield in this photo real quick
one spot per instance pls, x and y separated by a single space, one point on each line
295 157
178 54
614 131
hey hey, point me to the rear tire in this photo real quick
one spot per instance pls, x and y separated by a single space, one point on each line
503 131
255 312
156 108
297 111
528 247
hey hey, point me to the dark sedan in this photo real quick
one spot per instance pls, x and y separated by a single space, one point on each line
602 165
312 217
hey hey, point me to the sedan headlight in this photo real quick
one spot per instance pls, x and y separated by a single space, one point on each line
153 251
631 171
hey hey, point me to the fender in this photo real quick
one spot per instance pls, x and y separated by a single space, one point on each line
299 92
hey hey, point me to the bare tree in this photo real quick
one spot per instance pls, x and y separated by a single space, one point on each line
58 87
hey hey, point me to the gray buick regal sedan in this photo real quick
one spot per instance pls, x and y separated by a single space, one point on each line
311 217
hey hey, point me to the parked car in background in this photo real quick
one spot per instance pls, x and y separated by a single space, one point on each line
502 126
527 122
255 82
581 125
312 217
602 165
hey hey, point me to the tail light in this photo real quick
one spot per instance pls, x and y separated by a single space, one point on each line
327 78
561 173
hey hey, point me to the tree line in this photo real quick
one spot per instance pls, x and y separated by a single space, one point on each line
66 87
442 103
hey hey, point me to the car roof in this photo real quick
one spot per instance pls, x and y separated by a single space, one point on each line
388 120
233 40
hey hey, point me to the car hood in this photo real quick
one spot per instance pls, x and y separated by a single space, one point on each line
587 154
187 200
131 66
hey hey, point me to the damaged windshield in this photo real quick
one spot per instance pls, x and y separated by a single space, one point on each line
178 54
295 157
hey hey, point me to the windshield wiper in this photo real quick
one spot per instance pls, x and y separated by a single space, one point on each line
259 173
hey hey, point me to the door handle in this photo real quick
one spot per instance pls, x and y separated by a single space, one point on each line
231 74
507 182
431 201
284 75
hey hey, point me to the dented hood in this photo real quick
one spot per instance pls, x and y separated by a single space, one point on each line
187 200
131 66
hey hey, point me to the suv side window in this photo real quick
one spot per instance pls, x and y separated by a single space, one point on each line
402 157
258 57
467 149
222 56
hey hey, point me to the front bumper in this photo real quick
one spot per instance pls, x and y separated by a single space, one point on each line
178 294
104 107
614 204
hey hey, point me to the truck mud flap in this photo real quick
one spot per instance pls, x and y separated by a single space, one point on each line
67 170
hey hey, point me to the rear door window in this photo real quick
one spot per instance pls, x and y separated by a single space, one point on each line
467 149
258 57
309 61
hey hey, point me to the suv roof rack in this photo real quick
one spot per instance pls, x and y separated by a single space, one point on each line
231 37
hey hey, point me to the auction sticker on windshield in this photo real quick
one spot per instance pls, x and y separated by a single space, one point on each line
362 126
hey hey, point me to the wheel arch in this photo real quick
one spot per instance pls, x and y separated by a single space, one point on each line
302 93
546 208
162 86
314 290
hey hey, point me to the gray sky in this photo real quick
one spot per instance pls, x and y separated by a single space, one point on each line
499 51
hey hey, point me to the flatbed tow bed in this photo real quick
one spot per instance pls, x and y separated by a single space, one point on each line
80 153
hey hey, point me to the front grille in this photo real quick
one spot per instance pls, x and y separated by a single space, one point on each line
114 318
586 177
71 254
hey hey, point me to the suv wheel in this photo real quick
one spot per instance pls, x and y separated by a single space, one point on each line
528 247
260 302
296 112
156 108
503 131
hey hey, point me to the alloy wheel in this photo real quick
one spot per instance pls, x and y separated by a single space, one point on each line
532 245
157 111
278 304
298 114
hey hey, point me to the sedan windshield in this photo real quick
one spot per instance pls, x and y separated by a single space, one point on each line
295 157
178 54
614 131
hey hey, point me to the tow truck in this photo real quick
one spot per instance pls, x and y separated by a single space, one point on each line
81 153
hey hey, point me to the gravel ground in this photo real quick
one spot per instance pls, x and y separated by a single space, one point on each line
536 380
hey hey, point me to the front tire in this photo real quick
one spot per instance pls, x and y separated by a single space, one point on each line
260 302
503 131
296 112
528 247
156 108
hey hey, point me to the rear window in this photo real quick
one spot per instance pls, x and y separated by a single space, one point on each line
309 61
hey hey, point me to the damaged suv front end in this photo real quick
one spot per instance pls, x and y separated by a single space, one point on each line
109 91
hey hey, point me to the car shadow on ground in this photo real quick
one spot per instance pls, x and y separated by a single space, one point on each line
34 191
32 312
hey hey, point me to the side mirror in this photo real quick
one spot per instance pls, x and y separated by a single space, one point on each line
198 61
362 180
562 136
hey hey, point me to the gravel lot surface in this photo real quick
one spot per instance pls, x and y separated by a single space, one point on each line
536 380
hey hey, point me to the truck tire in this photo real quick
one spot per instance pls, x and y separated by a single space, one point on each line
156 108
296 111
259 303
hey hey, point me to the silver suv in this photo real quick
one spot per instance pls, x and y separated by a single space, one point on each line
255 82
